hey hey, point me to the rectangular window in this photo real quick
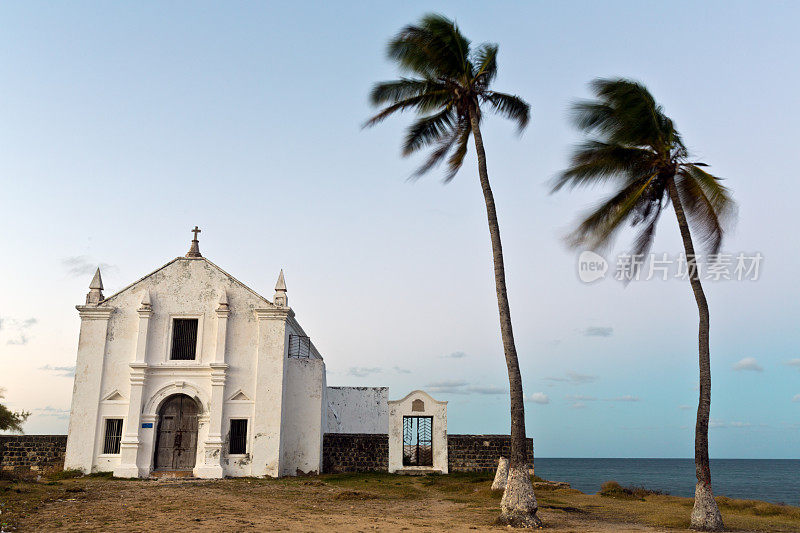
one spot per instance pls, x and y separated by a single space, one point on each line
184 339
238 441
113 435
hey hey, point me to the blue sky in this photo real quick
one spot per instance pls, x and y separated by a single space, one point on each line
124 125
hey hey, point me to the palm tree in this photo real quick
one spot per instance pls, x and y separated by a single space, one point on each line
637 147
449 89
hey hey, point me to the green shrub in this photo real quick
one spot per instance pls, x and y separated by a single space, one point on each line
612 489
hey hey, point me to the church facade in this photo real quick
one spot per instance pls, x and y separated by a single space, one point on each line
189 370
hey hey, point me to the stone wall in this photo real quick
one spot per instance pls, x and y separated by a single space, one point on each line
355 452
479 453
341 452
24 454
352 452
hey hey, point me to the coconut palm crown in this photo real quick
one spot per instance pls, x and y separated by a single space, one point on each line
451 82
634 145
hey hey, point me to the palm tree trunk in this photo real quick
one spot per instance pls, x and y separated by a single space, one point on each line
519 503
705 514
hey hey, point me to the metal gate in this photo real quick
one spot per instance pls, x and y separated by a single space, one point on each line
417 441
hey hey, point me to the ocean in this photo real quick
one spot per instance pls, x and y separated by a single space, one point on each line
771 480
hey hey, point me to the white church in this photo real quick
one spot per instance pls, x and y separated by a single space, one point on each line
189 370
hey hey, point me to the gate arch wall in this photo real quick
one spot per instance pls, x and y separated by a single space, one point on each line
418 404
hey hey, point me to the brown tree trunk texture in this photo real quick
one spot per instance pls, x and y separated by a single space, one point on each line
518 506
705 514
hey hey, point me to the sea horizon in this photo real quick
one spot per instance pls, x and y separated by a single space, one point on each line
771 480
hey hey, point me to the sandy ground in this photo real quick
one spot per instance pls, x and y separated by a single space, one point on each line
325 503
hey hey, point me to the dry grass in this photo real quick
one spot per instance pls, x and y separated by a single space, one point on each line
345 502
612 489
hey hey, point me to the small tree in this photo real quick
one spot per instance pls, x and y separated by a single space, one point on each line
11 420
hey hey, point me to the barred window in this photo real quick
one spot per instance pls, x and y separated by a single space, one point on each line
299 346
184 339
113 435
238 440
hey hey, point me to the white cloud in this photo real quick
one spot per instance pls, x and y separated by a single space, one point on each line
463 387
796 398
793 362
626 398
401 370
574 378
18 329
578 405
538 397
684 407
453 386
490 389
748 363
60 371
20 340
604 331
59 414
80 265
362 371
455 355
723 424
582 398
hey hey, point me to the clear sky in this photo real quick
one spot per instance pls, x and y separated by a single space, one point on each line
122 125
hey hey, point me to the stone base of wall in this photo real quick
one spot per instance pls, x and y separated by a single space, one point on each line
479 453
355 452
22 455
341 452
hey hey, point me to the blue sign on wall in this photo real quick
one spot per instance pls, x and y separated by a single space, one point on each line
147 425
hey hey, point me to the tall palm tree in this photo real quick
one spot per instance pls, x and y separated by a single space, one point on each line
449 87
636 146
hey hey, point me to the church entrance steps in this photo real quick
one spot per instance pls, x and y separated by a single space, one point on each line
171 474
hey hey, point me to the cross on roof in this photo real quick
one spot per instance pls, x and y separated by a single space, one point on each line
194 249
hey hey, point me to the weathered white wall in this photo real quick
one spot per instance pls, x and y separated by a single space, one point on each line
255 352
302 407
400 408
86 395
357 410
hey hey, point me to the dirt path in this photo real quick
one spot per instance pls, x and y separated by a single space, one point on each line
354 503
256 505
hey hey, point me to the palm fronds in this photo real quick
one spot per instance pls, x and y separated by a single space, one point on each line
633 144
449 82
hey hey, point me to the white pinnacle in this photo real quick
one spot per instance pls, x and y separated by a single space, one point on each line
97 281
281 284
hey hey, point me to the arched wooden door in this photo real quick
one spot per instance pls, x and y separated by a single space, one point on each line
176 444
